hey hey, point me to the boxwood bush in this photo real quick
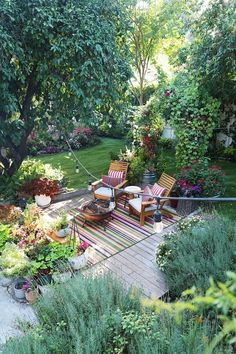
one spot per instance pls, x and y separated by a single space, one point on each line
196 251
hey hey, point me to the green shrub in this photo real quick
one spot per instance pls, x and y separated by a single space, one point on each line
136 170
4 236
167 143
230 152
191 255
97 316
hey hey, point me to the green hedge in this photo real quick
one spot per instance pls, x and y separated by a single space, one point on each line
196 251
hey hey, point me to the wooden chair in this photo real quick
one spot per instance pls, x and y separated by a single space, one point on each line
105 193
147 208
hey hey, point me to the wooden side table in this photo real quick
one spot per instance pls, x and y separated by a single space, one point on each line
130 192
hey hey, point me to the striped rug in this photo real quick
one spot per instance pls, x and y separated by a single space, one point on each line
122 231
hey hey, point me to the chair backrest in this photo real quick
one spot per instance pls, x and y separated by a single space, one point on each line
166 182
121 166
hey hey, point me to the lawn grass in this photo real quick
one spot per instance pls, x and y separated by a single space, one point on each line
96 159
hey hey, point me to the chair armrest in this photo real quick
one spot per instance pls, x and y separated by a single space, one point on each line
121 184
95 184
148 202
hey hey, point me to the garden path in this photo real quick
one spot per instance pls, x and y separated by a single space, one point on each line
135 266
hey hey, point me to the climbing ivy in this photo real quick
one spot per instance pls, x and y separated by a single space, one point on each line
194 115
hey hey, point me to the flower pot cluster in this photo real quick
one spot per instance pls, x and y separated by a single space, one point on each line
28 260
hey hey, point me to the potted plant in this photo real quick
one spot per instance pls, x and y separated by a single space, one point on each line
19 288
42 189
13 262
149 176
80 258
61 226
31 291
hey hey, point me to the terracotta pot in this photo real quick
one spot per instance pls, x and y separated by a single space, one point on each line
31 295
43 201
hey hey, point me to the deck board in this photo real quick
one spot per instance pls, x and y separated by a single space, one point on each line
135 266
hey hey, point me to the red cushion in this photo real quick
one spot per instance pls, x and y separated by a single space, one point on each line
116 174
108 181
147 190
158 190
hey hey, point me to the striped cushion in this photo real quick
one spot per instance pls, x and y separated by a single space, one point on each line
158 190
146 190
116 174
110 181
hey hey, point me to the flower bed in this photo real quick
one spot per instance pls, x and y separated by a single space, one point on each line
25 250
200 179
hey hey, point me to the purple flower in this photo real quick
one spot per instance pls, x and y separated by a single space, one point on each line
167 93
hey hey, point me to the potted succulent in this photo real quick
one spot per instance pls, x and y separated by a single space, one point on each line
80 258
61 226
42 189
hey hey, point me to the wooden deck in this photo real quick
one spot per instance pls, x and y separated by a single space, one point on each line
135 266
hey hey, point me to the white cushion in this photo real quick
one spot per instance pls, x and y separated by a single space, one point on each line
106 192
136 204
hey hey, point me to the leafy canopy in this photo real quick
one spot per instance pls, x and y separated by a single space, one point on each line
58 59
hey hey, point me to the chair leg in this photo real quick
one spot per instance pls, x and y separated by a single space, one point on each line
142 219
130 210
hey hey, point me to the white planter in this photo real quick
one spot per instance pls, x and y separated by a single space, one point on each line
43 201
78 262
63 232
19 293
5 281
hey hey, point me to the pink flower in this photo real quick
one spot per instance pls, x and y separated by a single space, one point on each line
167 93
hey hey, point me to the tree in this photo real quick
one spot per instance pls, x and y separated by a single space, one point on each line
145 33
211 53
58 58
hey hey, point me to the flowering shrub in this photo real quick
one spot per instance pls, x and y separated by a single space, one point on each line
128 154
81 248
40 186
82 137
149 139
164 251
198 179
9 214
185 224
